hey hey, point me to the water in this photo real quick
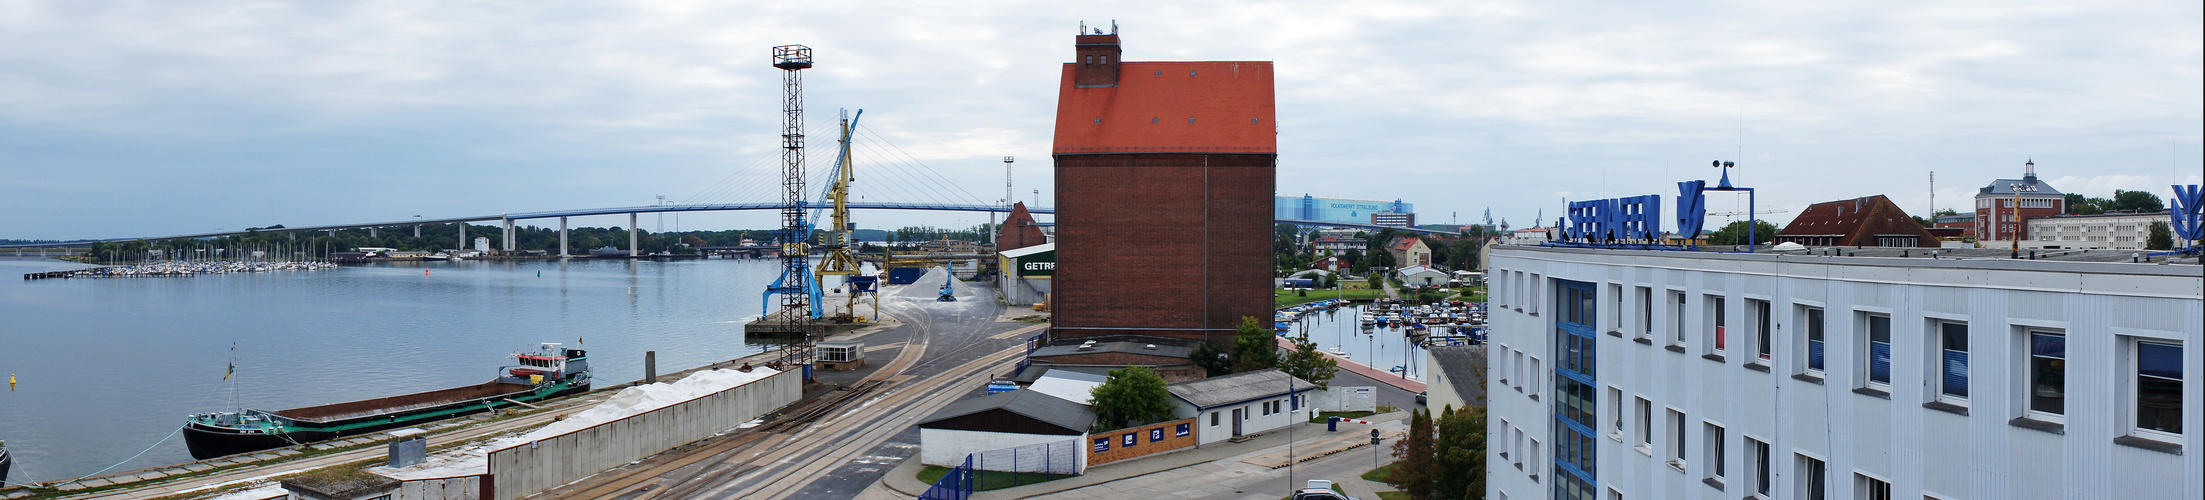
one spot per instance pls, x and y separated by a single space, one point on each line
107 367
1377 347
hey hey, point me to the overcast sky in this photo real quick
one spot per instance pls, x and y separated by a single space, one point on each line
122 119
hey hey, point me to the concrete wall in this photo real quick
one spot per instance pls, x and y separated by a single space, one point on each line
526 469
1893 435
444 488
1337 398
948 447
1147 440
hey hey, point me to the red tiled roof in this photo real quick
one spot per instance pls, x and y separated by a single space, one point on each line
1231 104
1856 221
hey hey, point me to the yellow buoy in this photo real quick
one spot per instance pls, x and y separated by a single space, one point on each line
11 381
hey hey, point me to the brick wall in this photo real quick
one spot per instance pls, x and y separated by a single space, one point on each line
1174 245
1148 439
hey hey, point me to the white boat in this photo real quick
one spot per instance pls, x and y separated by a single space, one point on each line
1336 351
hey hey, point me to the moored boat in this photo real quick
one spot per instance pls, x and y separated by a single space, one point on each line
548 373
5 462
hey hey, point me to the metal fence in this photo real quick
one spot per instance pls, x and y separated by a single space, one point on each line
956 485
1060 457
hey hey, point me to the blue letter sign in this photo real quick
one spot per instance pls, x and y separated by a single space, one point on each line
1691 208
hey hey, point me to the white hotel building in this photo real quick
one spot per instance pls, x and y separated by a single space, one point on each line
1624 374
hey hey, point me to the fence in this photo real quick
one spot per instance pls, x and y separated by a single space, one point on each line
1060 457
1338 398
1145 440
546 463
442 488
956 485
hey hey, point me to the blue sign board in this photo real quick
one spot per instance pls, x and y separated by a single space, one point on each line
1615 220
2187 212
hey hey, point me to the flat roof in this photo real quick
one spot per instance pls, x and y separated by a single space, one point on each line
2091 261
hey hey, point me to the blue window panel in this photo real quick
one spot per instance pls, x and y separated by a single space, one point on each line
1879 362
2159 360
1183 430
1102 444
2054 346
1156 434
1956 373
1814 354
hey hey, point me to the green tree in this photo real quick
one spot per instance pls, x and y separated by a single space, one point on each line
1460 454
2161 238
1305 363
1254 347
1132 396
1735 233
1210 359
2136 201
1415 467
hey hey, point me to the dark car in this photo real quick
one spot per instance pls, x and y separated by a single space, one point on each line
1420 398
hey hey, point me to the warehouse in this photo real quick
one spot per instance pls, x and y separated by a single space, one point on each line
1844 373
1164 172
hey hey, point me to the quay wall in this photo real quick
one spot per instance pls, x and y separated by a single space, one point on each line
547 463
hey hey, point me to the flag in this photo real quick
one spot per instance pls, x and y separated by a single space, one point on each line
232 370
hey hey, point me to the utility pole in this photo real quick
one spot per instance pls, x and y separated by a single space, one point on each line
662 215
1006 196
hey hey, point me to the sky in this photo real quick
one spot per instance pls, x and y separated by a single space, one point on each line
146 118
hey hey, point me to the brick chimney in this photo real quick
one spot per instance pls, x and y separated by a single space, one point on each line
1098 57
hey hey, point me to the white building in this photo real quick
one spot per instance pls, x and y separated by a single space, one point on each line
2107 231
1241 404
1616 374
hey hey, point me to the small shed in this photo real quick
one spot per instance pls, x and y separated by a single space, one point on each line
1242 404
1424 276
841 355
1002 421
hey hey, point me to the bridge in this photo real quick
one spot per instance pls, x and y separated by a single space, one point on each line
507 221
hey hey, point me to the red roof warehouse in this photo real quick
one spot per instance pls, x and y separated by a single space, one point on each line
1165 171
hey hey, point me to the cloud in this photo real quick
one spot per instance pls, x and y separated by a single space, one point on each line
188 115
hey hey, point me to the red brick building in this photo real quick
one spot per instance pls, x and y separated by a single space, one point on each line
1018 231
1996 219
1872 221
1164 175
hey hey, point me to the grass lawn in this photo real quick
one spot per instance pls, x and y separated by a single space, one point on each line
990 480
1378 476
1320 418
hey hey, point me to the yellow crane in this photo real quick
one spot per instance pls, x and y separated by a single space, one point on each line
839 259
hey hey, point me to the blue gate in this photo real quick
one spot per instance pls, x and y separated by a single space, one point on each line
957 485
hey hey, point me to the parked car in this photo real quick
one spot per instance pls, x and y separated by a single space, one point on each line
1420 398
1320 489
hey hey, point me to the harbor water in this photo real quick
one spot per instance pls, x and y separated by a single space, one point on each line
1378 347
106 367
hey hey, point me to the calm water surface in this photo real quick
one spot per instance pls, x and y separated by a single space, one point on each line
108 367
1378 347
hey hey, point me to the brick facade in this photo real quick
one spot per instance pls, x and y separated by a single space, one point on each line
1146 440
1173 245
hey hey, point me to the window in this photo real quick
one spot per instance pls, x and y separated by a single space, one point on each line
1615 299
1536 287
1715 321
1646 312
1519 447
2158 389
1952 362
1615 411
1877 335
1757 467
1533 451
1811 327
1506 439
1757 318
1213 419
2047 376
1645 423
1713 434
1812 479
1503 371
1519 371
1676 439
1869 488
1534 377
1676 300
